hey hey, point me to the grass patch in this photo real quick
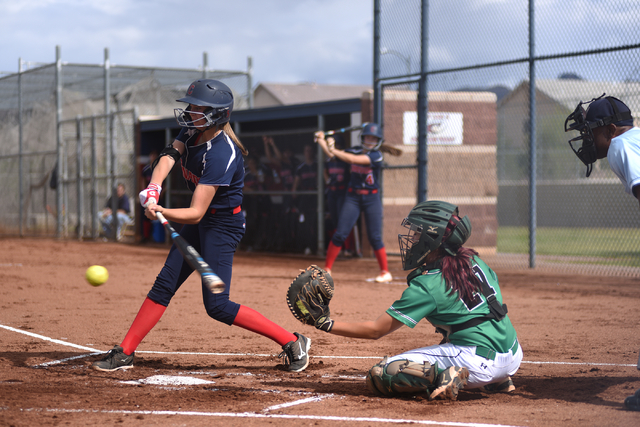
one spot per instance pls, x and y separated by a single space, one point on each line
615 246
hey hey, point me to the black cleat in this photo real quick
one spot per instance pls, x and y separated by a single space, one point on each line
296 353
113 360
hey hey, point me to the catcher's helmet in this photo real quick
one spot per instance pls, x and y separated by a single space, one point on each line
206 93
371 129
602 111
427 223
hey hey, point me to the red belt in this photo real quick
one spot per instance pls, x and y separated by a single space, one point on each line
233 211
336 187
362 191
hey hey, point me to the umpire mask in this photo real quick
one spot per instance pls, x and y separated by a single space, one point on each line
584 121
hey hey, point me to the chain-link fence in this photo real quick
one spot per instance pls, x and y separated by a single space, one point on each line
530 204
54 115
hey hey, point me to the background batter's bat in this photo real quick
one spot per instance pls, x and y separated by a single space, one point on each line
385 148
193 258
343 130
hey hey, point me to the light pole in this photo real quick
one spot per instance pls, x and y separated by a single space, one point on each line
406 59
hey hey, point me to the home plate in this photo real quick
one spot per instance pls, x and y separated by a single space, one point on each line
169 380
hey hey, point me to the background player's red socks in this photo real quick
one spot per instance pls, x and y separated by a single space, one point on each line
381 256
249 319
332 254
148 315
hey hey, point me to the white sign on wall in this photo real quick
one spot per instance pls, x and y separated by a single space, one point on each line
442 128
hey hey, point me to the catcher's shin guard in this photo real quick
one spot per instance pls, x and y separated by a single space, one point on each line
402 377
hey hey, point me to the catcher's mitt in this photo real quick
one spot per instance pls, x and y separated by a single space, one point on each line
309 295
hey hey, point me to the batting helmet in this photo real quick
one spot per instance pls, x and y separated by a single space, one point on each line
427 223
206 93
371 129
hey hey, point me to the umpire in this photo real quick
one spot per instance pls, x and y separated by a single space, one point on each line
606 130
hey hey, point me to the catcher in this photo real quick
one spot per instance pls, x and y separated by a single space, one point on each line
453 289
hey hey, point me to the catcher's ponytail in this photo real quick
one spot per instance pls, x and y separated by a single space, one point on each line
456 265
458 274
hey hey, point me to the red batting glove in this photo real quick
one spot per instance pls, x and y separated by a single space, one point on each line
150 195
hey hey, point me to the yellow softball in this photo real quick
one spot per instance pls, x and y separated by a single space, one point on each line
96 275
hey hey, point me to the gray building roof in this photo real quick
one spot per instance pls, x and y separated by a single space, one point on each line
273 94
568 92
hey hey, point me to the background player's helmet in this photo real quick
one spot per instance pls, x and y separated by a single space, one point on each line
206 93
426 226
374 130
602 111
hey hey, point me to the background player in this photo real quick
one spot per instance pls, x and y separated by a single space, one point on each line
452 288
362 195
606 130
210 156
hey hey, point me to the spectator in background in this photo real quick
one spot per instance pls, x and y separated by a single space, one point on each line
306 179
124 210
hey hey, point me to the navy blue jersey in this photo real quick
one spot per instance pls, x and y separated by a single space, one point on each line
365 177
338 172
215 162
308 175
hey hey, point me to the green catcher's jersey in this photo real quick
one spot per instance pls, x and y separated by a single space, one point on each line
427 297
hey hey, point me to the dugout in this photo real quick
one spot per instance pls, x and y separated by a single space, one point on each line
291 126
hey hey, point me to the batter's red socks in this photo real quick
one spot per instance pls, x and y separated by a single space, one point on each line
332 253
253 321
148 316
381 256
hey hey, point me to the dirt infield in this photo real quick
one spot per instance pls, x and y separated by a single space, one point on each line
580 337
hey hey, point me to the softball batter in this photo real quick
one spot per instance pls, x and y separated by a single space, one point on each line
362 195
459 294
211 159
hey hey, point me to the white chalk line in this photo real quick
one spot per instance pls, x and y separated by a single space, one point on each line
277 416
297 402
95 351
42 337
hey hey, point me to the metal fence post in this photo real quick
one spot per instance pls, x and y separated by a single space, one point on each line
20 153
79 179
94 171
59 147
532 140
423 106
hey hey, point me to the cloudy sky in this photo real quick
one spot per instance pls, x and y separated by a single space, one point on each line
290 41
322 41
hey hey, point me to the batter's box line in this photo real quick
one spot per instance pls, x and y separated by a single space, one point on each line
276 416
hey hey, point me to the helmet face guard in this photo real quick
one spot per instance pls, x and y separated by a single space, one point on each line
408 241
577 120
186 118
586 152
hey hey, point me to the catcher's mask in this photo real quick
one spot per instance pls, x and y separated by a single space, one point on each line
206 93
602 111
372 129
426 225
